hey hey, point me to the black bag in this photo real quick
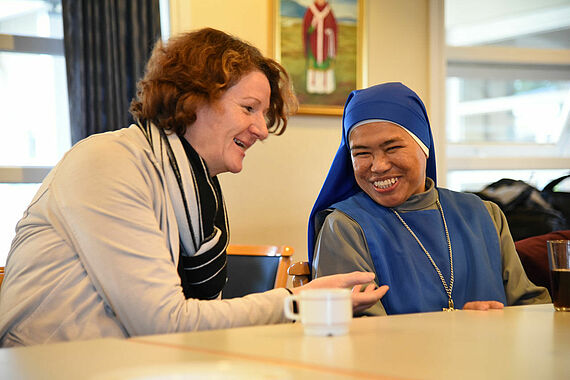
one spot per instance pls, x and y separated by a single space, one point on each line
559 200
527 212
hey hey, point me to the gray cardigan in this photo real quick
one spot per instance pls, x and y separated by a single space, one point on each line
91 255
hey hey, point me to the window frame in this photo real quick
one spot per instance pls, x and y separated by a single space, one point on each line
31 45
446 59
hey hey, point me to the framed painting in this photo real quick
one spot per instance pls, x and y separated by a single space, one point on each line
321 44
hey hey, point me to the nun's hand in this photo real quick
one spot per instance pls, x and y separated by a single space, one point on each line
483 305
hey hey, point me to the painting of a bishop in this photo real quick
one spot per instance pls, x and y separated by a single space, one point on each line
320 42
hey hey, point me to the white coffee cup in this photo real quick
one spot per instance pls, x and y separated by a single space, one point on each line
321 311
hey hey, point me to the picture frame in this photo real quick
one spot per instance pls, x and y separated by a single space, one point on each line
321 44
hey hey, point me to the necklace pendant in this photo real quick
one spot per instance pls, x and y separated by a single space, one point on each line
450 308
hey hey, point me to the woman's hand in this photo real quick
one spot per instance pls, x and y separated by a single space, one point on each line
361 299
483 305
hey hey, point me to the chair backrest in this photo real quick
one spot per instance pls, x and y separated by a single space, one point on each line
533 254
300 272
256 268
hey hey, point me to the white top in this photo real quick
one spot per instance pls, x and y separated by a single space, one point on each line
90 256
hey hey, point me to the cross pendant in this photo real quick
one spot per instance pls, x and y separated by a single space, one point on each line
450 308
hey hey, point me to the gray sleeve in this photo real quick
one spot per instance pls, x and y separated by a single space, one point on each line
518 288
342 248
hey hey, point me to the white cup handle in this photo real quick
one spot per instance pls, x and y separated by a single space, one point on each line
288 307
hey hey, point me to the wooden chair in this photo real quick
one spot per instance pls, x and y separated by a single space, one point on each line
256 268
300 272
1 275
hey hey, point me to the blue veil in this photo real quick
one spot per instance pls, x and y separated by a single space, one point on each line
390 102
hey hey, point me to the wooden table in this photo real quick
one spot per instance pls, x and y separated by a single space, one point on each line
123 359
524 342
530 342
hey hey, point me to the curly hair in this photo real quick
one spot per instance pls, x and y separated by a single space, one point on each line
196 68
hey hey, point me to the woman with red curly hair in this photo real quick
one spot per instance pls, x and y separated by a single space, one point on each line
127 234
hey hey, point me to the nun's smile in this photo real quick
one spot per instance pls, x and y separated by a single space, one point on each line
388 163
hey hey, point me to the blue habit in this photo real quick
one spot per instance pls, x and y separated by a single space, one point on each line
401 263
392 102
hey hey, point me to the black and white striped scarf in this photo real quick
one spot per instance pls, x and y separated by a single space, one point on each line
200 213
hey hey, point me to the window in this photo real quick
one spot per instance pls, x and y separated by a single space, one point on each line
507 91
33 101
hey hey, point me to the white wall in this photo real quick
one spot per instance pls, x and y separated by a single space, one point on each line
269 201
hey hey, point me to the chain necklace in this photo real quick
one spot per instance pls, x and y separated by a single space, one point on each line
448 289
